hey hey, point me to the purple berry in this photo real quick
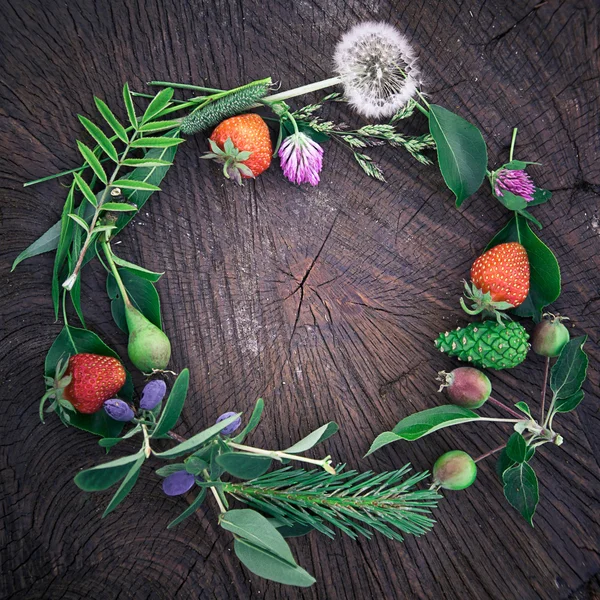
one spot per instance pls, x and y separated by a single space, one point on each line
232 426
455 470
550 336
466 386
118 410
152 394
178 483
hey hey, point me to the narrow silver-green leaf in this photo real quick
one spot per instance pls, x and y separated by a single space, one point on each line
47 242
316 437
174 405
252 423
110 118
126 485
93 161
197 440
190 510
103 476
100 138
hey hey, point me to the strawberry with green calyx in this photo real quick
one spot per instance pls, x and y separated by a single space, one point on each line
500 281
242 145
487 344
83 383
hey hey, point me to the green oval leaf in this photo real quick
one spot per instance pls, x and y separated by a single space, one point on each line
143 296
568 404
244 465
265 564
461 150
521 489
516 448
569 371
316 437
544 280
174 405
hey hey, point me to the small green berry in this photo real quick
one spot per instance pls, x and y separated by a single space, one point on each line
466 386
550 336
455 470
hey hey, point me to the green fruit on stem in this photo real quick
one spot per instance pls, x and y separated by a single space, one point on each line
455 470
550 336
149 348
488 344
466 387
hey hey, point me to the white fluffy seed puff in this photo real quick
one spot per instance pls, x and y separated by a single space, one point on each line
377 68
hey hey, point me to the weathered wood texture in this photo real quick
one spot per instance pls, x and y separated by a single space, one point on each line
324 301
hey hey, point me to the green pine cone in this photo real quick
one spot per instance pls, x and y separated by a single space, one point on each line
488 344
228 106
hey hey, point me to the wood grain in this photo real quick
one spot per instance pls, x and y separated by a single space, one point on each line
323 301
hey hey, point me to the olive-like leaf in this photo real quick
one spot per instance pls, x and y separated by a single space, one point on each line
244 465
101 477
174 405
461 150
126 486
252 422
314 438
190 510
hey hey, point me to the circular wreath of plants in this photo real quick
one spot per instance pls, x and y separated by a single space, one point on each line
516 276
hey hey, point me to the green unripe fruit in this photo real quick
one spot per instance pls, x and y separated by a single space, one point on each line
455 470
550 336
149 348
466 386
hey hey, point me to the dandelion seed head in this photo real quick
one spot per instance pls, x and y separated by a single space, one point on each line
378 69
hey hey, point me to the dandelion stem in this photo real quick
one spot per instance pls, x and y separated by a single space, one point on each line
304 89
512 144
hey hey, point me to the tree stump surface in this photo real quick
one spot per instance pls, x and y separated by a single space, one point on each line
324 301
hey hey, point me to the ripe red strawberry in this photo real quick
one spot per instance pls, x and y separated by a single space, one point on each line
94 379
500 279
243 145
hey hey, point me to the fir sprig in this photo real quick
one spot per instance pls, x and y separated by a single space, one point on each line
349 500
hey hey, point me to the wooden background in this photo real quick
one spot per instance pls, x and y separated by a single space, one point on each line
324 301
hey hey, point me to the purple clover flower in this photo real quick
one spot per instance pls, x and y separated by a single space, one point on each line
301 159
152 394
515 181
178 483
118 410
232 426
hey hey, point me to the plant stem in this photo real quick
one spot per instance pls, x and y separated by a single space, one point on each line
304 89
185 86
214 493
512 144
544 386
493 419
503 406
64 310
278 455
147 449
108 253
490 452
